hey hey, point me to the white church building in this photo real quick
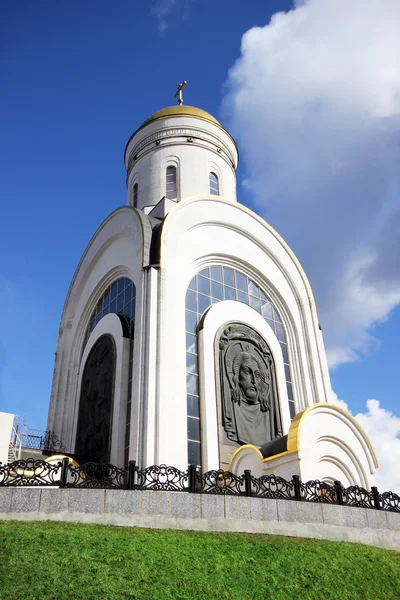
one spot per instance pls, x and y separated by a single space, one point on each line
190 333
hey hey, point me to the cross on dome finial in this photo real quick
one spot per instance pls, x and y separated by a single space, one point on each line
178 94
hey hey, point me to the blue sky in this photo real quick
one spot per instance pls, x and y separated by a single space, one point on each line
78 78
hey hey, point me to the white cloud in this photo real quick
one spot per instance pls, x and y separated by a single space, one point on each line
383 429
314 101
162 10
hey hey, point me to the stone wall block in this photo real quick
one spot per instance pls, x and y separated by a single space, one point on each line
393 520
155 503
54 501
212 506
185 505
122 502
238 507
287 510
25 499
309 512
86 501
377 519
344 516
263 510
5 499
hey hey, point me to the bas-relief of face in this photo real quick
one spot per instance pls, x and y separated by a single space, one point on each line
250 410
250 380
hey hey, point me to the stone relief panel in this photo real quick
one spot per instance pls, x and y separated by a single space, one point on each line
93 438
249 400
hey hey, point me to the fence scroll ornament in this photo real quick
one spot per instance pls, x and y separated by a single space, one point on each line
250 410
95 475
67 474
162 478
272 486
30 472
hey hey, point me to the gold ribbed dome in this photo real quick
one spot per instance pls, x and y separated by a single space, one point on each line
181 111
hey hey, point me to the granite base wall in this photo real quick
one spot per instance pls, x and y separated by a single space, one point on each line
175 510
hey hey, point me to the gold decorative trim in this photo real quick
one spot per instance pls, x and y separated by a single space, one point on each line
293 442
56 457
181 111
286 453
242 448
295 427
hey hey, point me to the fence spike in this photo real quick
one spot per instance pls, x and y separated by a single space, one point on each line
297 488
131 475
64 472
376 497
247 482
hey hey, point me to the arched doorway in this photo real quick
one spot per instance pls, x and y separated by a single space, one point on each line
93 438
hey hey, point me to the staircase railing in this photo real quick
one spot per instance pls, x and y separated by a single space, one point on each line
15 447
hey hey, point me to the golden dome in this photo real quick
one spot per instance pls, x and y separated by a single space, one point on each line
181 111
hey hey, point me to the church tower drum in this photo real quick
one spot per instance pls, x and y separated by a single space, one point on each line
201 312
179 152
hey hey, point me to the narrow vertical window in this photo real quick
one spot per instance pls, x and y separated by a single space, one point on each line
135 195
171 183
214 184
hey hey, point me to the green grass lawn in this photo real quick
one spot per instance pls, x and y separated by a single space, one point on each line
65 560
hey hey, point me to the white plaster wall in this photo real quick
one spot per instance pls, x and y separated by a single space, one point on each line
218 315
212 149
284 466
146 440
333 446
119 248
198 233
6 424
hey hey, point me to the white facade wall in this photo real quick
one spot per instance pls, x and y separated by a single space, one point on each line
211 149
332 446
198 233
119 248
195 234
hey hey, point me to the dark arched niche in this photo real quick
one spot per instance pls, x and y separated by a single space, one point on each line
93 437
249 397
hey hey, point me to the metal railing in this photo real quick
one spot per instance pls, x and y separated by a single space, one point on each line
65 474
15 446
37 439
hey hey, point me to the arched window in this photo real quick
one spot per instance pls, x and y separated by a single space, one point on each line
170 187
119 298
209 286
214 184
135 195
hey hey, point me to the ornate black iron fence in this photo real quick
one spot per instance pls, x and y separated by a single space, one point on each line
65 474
